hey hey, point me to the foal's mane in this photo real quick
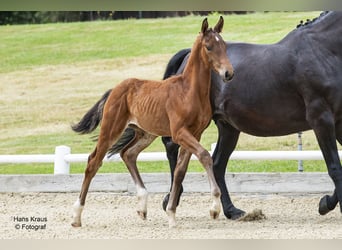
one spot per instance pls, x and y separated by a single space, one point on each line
313 21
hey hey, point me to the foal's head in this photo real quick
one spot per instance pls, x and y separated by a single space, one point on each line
215 49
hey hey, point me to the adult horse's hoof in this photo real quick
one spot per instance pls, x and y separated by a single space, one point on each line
235 214
323 206
165 201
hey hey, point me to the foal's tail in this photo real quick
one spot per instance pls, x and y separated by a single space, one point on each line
92 118
127 136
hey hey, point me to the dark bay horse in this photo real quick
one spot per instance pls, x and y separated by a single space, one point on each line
278 89
178 107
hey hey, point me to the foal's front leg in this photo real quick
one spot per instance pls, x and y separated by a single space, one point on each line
190 143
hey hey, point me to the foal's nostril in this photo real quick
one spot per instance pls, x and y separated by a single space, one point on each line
228 76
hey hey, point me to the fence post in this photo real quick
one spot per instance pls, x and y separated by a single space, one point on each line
300 148
61 166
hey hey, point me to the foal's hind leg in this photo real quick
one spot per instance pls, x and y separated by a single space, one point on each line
129 155
94 163
113 124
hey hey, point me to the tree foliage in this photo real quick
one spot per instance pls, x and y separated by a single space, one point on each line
38 17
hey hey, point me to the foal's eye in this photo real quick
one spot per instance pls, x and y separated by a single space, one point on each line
209 48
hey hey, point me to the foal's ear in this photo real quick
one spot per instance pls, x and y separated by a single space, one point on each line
204 25
219 25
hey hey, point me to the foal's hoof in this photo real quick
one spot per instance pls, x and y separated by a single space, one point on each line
172 218
142 214
214 214
76 224
323 208
172 224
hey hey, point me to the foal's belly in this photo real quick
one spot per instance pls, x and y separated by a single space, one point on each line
155 125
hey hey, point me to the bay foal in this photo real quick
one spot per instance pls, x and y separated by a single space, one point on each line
178 107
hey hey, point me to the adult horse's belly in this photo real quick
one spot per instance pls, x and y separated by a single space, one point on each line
266 116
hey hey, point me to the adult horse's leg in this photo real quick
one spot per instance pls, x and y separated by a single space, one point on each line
227 140
179 173
129 155
322 122
172 156
328 203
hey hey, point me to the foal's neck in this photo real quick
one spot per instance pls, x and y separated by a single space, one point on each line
197 72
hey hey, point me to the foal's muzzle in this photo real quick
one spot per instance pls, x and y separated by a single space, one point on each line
227 75
226 72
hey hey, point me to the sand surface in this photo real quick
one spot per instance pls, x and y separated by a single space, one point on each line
113 216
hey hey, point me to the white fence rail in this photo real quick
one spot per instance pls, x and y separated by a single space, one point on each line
63 157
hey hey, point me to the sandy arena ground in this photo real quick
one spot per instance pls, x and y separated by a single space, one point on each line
113 216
